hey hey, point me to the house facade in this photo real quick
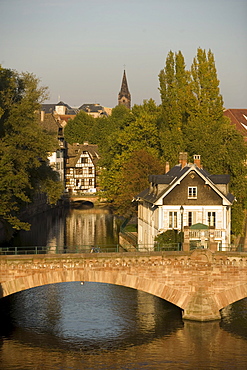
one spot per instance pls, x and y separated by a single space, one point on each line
190 200
81 168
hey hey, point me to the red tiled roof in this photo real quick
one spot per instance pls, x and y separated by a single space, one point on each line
238 118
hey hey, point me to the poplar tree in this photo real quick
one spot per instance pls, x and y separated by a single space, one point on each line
174 82
194 122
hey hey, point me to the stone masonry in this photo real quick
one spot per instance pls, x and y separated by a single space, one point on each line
200 282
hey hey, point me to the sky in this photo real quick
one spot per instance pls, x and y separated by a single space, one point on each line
80 48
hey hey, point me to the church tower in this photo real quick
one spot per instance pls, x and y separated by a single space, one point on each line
124 97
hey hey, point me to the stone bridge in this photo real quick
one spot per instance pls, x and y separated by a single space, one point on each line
200 282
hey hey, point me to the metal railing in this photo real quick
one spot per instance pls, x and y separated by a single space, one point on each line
60 249
114 248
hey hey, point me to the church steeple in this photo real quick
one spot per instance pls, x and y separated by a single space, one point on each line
124 97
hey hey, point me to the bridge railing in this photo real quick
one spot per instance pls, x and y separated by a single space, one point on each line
98 248
59 250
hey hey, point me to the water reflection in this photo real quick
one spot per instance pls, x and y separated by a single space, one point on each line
94 315
102 326
69 228
234 318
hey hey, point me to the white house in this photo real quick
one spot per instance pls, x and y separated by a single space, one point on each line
189 199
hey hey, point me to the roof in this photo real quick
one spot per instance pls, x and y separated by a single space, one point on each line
75 150
238 117
49 124
50 108
174 177
199 226
93 108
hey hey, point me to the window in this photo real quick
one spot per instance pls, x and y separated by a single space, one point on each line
192 192
90 170
190 218
84 160
173 220
79 171
90 182
212 219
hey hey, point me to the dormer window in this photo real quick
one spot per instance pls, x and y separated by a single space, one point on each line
192 192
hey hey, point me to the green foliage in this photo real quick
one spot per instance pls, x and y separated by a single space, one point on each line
238 217
129 180
24 145
130 228
130 155
80 129
168 237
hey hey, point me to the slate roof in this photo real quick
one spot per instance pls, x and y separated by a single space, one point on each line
92 108
88 108
174 175
50 108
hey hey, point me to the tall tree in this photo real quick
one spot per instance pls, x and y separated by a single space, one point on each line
174 90
23 146
175 97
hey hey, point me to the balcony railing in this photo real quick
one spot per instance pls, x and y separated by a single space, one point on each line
206 234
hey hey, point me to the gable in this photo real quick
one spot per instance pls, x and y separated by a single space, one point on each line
78 151
206 195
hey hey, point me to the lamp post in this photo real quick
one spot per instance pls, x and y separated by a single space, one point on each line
182 226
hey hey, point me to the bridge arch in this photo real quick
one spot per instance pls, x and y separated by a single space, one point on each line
161 290
122 279
232 295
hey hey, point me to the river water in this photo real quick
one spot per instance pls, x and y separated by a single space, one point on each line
101 326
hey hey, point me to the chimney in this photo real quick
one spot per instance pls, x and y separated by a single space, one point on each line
167 168
197 160
183 159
